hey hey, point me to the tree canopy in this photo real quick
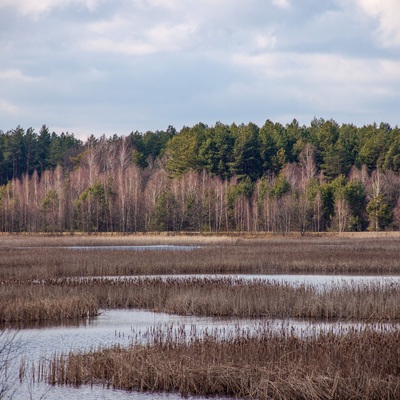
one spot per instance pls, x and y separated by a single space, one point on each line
323 176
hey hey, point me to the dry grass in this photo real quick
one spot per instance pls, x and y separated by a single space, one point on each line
41 284
27 304
63 298
26 260
327 255
358 365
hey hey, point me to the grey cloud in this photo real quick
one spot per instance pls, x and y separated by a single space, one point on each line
117 66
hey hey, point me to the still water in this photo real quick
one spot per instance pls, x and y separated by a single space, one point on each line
111 327
137 326
133 326
124 327
319 281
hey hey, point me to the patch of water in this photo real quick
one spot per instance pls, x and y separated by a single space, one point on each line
295 280
124 327
111 327
169 247
42 391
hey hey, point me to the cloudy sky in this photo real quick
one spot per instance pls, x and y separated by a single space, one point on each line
116 66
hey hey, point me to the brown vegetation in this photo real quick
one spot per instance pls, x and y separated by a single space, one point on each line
357 365
55 283
320 255
69 298
39 277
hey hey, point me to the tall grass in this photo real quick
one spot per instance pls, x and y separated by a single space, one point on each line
328 255
27 303
58 299
49 282
357 365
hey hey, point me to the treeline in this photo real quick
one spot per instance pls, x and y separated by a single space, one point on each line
219 178
24 152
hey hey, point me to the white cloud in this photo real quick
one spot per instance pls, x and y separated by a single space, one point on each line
324 83
8 107
388 14
108 26
168 4
122 36
265 41
221 59
171 37
37 7
281 3
320 67
126 47
15 75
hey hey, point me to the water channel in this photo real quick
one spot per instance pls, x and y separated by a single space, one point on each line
320 282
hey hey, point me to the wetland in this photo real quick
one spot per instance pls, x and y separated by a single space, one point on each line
265 317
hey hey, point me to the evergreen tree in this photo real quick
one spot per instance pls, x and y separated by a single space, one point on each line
246 153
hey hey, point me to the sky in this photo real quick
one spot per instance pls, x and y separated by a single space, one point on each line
116 66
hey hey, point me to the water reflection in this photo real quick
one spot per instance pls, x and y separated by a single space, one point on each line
110 327
44 323
124 327
136 248
324 281
296 280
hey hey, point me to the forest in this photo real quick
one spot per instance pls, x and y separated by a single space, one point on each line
220 178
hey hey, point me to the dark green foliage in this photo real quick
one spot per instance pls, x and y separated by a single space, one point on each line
268 147
216 151
165 216
328 203
354 193
91 207
44 142
246 153
23 152
374 145
379 213
182 152
392 155
221 150
61 149
139 151
280 187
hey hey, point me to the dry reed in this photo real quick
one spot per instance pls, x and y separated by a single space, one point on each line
327 255
40 283
26 303
358 365
70 298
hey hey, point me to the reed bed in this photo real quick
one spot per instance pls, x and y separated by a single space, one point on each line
44 257
359 365
25 303
65 298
